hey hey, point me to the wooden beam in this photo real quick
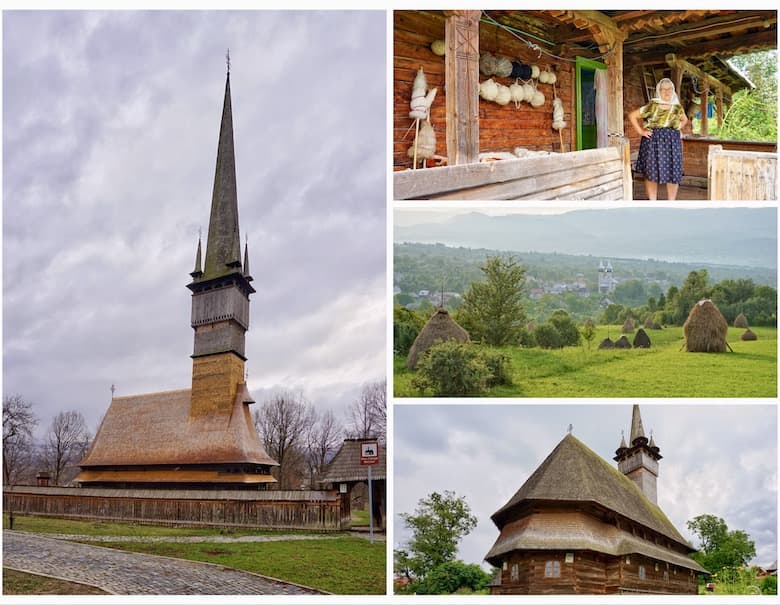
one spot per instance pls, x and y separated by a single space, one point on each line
461 78
615 91
763 40
719 108
674 62
602 26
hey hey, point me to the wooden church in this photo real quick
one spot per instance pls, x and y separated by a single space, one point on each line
578 525
202 437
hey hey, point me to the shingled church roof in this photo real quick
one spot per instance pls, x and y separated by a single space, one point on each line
575 473
157 429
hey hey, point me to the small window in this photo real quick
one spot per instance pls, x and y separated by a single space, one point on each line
666 576
515 574
641 572
552 569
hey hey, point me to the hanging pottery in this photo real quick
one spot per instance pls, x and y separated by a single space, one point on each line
529 92
535 71
517 93
538 99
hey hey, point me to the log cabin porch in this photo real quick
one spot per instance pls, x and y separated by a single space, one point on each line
477 138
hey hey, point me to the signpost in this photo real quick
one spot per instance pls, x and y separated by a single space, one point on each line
369 455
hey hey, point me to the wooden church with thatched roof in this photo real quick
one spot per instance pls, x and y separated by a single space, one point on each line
578 525
202 437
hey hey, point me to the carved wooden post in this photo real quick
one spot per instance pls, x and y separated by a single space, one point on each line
615 117
461 80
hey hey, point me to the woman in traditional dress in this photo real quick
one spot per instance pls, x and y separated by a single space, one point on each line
660 153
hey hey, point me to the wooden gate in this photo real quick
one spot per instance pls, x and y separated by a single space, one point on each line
741 175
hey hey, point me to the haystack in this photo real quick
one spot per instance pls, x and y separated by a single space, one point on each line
622 343
651 325
705 329
741 321
749 335
641 340
606 344
628 326
440 328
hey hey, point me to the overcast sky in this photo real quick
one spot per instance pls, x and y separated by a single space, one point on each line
718 460
110 129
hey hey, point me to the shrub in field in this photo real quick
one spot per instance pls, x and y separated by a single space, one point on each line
570 334
453 369
548 337
403 337
768 585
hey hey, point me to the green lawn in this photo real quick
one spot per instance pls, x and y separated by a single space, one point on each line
21 583
664 370
340 564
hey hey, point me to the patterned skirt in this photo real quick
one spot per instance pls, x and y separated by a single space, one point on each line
660 156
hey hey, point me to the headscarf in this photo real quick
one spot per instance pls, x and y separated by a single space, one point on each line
673 101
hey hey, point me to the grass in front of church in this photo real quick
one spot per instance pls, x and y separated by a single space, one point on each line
663 370
21 583
341 564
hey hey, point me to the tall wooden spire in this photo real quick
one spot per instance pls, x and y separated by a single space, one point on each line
220 292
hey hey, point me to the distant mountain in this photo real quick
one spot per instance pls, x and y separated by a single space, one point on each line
732 236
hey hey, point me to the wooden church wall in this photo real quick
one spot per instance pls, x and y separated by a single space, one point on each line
501 128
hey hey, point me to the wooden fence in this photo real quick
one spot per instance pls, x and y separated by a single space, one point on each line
310 510
741 175
594 174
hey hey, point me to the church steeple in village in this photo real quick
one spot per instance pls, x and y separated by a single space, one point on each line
639 460
221 289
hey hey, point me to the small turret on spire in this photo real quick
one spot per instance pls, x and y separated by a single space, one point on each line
198 272
246 273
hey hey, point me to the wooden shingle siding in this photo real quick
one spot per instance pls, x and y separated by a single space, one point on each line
267 510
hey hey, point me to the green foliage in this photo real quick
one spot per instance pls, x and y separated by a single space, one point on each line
453 577
588 331
451 369
493 310
613 314
406 326
736 581
547 337
720 547
768 585
438 524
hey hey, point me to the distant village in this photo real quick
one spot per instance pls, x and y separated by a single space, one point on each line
603 285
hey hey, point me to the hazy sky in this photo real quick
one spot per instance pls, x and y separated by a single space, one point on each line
719 460
110 129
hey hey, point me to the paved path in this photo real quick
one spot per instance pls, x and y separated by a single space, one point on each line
126 573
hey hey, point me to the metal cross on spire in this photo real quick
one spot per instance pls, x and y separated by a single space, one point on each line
227 60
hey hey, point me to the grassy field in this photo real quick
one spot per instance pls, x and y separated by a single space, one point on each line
342 564
19 583
664 370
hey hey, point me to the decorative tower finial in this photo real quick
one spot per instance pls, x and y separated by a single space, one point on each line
113 388
227 61
570 428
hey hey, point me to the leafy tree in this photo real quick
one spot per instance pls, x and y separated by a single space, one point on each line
570 335
66 443
493 310
547 337
18 424
720 547
438 524
452 577
613 314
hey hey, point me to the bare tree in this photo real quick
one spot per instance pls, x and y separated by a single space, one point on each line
368 413
283 422
66 443
323 440
18 424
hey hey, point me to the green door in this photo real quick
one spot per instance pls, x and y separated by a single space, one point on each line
586 102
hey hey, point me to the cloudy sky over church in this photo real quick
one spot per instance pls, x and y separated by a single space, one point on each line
110 130
717 459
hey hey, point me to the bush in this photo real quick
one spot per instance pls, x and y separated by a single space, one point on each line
548 337
768 585
403 337
569 333
452 369
452 577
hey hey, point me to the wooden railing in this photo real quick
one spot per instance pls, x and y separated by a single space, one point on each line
741 175
594 174
311 510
